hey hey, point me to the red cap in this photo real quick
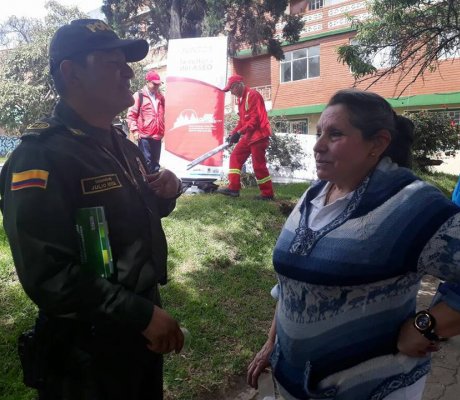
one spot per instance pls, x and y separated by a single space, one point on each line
233 79
152 76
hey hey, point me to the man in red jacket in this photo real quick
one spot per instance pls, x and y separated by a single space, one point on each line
252 135
146 120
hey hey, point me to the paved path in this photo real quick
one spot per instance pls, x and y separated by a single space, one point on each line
443 383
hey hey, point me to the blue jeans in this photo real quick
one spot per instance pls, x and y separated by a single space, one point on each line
151 149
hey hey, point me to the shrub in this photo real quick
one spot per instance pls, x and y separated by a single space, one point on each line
436 136
283 151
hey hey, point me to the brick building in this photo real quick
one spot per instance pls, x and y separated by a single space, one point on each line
299 86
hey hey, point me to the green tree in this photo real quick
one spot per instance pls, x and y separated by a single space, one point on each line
245 22
26 91
284 150
435 136
414 34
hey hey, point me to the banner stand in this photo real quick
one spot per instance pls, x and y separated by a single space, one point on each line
194 118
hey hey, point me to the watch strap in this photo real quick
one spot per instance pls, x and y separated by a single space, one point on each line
431 336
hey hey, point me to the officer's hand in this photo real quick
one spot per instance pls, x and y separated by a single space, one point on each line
234 138
164 184
163 333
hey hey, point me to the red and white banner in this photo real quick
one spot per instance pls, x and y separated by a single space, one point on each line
195 105
194 129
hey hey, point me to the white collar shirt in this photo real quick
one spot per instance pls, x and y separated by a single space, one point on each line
320 214
154 100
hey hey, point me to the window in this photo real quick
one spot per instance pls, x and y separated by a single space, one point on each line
302 6
328 3
454 116
315 4
298 127
300 64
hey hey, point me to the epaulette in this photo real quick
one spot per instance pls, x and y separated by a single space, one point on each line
42 128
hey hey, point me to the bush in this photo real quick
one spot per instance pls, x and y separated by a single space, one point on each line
283 150
436 136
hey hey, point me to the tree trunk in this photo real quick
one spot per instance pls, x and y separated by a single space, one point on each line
174 28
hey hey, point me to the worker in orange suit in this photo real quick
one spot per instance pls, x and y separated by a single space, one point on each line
251 135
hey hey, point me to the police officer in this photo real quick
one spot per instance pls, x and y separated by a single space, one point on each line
96 337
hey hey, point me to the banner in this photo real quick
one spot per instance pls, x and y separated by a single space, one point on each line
194 131
194 121
203 59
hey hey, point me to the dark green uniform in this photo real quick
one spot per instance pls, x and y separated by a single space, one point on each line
61 165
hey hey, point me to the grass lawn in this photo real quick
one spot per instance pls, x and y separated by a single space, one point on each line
220 275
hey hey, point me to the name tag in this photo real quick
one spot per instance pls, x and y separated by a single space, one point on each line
100 183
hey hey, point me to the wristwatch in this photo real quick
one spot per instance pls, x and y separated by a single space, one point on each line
425 323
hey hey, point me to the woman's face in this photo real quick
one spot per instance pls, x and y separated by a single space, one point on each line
342 155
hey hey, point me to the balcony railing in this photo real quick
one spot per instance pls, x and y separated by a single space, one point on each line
265 91
332 16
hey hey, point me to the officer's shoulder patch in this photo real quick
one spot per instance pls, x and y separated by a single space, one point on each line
38 126
41 128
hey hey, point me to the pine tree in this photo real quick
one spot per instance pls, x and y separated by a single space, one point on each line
247 23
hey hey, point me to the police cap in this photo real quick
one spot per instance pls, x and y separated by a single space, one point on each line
83 36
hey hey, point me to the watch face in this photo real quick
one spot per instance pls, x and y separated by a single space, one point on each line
423 322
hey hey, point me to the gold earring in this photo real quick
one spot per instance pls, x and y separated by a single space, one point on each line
372 154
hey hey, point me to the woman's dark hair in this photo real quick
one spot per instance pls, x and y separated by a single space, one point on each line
370 113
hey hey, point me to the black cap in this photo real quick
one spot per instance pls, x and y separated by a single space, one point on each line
86 35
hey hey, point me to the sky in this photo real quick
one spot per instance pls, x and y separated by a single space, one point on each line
36 8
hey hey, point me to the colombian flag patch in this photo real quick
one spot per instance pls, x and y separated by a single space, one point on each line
27 179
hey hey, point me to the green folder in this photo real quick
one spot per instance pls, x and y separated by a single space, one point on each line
93 232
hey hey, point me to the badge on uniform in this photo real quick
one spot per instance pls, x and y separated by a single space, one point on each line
37 178
101 183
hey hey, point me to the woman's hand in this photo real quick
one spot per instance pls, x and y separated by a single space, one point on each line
259 363
412 343
164 184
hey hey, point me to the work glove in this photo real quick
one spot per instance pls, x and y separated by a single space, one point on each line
234 138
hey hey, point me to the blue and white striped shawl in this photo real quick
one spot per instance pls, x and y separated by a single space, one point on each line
345 290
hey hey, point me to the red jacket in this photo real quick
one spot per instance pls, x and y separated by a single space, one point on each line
146 121
253 123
